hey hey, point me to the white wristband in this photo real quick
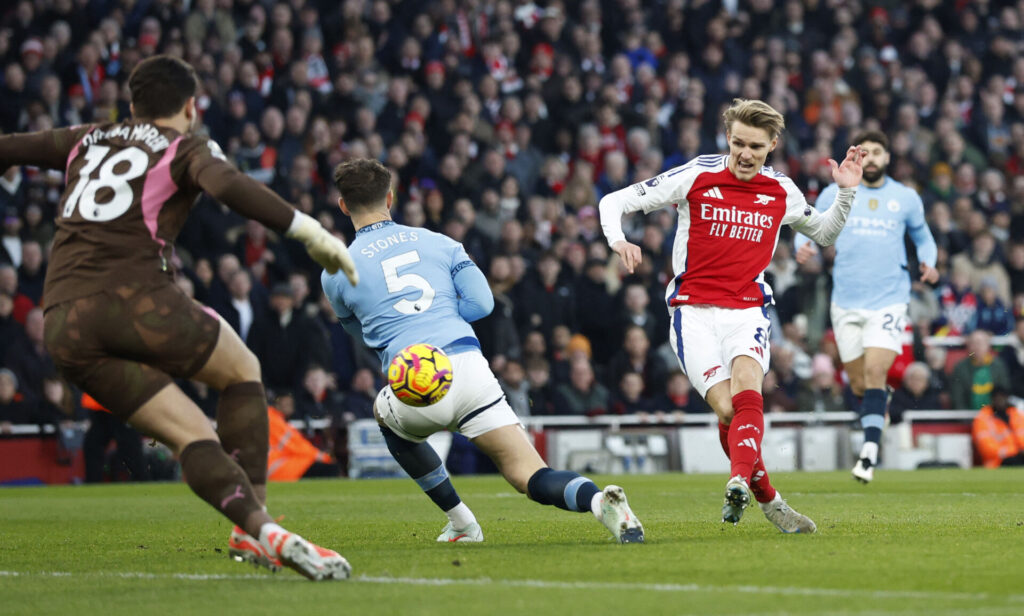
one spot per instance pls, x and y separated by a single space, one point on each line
299 221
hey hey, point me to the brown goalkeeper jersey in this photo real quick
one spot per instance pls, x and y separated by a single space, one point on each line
129 188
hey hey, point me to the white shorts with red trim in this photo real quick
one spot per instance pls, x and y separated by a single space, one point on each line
707 338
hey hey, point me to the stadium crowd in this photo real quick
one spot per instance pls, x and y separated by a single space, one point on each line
504 123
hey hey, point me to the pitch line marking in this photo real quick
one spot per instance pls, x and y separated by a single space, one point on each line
551 584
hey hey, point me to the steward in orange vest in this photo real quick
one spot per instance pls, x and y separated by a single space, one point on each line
998 432
290 454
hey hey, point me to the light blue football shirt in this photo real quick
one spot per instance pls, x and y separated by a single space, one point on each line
870 270
414 286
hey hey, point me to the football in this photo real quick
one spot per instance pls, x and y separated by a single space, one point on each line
420 375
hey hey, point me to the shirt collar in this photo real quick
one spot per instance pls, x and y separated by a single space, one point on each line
374 226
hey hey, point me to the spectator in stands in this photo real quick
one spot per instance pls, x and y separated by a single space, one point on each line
10 242
981 263
1015 267
10 330
28 357
516 387
318 398
358 402
241 311
998 432
287 342
636 355
542 393
938 379
497 331
821 393
582 395
594 302
975 376
679 396
256 249
629 398
545 301
636 311
917 394
957 303
22 305
32 272
1013 356
991 314
15 408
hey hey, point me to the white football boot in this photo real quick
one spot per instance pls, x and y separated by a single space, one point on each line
619 518
864 470
471 534
785 518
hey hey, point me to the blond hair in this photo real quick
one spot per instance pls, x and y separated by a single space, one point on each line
758 114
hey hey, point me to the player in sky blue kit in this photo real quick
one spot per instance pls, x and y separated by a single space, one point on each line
417 286
871 285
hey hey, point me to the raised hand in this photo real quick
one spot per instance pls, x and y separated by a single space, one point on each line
805 253
848 173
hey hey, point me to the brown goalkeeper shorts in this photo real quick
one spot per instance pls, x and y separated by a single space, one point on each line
125 344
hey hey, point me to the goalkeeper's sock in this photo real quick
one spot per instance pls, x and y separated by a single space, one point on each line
872 419
563 489
423 464
218 480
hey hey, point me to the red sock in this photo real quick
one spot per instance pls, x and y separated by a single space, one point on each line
760 485
745 432
723 437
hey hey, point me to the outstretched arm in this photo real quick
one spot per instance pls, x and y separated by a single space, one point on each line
48 149
666 189
825 228
222 181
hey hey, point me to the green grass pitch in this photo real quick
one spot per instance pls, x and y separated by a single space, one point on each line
926 542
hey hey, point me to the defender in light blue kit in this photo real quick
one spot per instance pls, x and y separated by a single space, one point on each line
871 285
417 286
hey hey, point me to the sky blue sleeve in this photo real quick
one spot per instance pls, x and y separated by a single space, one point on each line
927 252
347 318
475 298
823 202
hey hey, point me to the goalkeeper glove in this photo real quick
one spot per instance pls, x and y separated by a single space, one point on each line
324 248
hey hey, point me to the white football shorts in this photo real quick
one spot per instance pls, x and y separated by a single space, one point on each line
859 328
474 405
707 338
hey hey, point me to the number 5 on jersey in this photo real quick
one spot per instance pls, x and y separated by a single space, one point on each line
114 175
398 282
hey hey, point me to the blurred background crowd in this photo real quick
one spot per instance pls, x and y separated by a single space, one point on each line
504 122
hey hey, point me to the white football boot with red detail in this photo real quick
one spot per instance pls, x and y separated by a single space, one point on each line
619 518
242 547
471 534
308 559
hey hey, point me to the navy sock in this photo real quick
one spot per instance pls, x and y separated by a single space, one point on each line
872 414
563 489
425 467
